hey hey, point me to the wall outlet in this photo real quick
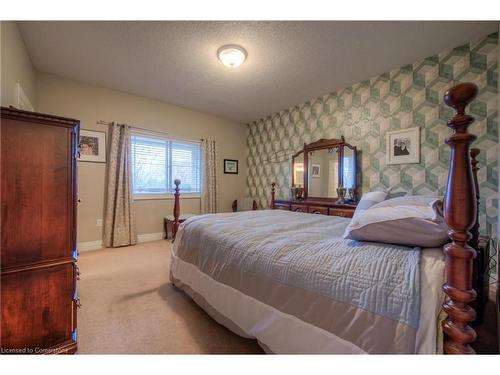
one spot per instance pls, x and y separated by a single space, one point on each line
99 222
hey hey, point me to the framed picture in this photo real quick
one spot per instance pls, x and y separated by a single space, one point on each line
315 170
230 166
403 146
92 146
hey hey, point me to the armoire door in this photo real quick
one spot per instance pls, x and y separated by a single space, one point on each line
38 232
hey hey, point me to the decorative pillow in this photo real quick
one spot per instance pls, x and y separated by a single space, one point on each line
409 221
368 200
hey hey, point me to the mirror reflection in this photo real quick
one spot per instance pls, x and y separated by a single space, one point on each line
349 170
298 170
323 172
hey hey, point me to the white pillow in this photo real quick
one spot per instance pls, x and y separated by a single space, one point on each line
368 200
395 194
436 203
409 221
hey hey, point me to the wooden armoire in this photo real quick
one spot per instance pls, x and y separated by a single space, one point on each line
38 233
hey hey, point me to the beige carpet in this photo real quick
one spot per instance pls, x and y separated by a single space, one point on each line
129 306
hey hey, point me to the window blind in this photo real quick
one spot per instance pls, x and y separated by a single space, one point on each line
157 162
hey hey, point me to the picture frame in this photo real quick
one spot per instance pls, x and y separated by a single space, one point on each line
92 146
403 146
315 170
230 166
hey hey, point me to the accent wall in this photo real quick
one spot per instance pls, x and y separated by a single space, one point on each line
411 96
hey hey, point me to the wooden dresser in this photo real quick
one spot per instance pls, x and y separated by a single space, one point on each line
38 238
316 207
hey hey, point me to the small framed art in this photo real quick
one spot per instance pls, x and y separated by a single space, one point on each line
92 146
230 166
315 170
403 146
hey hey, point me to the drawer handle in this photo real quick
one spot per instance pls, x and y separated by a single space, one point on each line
78 303
341 214
78 273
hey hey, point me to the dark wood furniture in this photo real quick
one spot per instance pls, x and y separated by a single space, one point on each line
338 146
326 203
316 207
177 209
460 212
38 253
234 206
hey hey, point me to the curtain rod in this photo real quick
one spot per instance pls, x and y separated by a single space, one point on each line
101 122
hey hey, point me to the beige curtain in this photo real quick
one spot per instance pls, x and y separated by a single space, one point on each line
210 179
119 222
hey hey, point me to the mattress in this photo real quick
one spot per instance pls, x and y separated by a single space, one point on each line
290 281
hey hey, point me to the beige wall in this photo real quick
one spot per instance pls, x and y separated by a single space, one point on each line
59 96
89 104
15 66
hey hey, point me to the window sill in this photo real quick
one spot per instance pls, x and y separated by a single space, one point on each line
164 197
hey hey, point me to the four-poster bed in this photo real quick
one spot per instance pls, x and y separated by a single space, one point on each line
460 214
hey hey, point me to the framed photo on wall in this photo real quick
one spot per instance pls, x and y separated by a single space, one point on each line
403 146
230 166
92 146
315 170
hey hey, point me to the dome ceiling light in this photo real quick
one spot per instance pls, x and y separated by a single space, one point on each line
232 55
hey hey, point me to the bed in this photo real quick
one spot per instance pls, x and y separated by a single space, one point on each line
311 291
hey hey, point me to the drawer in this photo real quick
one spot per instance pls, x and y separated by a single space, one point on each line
342 212
317 210
281 206
38 307
299 208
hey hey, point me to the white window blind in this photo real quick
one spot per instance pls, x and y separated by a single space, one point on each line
157 162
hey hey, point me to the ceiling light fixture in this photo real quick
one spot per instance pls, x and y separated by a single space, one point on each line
232 55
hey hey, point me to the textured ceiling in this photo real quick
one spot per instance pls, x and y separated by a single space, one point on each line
288 62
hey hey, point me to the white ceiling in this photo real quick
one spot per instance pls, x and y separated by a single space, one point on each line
288 62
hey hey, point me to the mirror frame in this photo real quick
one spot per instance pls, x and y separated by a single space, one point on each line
326 144
293 171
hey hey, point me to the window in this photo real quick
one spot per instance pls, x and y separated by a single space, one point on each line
157 162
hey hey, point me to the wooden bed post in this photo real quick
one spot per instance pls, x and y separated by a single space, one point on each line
272 195
474 241
460 210
177 209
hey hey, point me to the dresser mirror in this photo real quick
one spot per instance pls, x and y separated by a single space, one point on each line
349 170
298 169
297 191
323 172
330 171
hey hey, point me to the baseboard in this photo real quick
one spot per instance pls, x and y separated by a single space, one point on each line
95 245
150 237
89 245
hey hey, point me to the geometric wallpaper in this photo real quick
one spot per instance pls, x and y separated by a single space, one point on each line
403 98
